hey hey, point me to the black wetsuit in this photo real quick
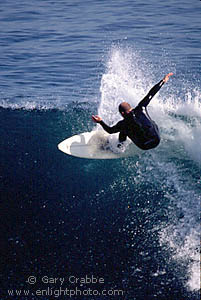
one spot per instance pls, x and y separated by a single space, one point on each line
137 125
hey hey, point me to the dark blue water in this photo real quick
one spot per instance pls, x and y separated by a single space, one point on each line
133 222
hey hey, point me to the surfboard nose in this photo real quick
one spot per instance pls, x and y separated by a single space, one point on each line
64 147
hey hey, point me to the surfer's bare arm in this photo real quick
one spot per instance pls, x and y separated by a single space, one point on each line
146 100
112 129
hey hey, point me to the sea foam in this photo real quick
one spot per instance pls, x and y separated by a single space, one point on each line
127 78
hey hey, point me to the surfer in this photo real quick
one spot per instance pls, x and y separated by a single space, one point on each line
136 124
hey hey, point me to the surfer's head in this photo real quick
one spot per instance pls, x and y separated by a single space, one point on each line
124 108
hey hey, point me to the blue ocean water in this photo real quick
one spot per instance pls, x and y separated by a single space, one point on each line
133 222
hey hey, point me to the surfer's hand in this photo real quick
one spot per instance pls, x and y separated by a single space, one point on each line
166 78
96 119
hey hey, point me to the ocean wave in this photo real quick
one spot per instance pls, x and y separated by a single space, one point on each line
127 79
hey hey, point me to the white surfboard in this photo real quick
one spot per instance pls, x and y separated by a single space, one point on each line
97 145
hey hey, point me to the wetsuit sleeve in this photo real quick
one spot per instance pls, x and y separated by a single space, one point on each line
122 136
145 101
113 129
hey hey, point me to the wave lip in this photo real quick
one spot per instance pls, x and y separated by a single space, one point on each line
30 105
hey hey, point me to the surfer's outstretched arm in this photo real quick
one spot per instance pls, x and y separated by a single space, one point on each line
112 129
145 101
